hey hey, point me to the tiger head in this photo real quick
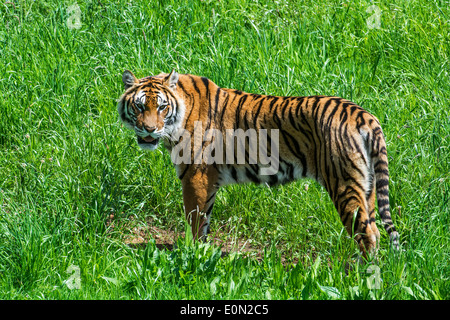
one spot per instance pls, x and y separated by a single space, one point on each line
151 107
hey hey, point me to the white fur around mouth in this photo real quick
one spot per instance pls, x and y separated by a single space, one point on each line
148 143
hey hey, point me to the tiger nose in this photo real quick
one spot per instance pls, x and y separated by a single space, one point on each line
149 129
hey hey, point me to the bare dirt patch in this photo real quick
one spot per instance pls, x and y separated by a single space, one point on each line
139 234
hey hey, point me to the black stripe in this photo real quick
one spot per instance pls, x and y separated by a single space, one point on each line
181 86
297 152
344 114
274 100
224 107
382 183
206 83
276 118
356 144
332 190
380 163
315 107
376 131
342 207
382 171
273 180
208 96
216 101
246 125
383 202
257 112
346 191
324 110
208 212
299 105
326 158
290 171
284 106
194 84
317 149
345 155
269 142
190 113
251 176
296 125
212 196
148 85
360 120
237 113
234 173
331 116
184 172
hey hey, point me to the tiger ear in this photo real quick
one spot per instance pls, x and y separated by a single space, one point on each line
128 79
172 79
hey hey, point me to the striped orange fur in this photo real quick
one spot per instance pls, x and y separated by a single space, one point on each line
329 139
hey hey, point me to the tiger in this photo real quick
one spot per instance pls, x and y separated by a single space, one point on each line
326 138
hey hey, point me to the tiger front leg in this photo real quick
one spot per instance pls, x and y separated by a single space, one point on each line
199 193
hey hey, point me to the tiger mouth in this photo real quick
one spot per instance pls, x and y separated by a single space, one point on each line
147 140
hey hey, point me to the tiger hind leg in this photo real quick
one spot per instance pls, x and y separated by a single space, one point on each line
357 217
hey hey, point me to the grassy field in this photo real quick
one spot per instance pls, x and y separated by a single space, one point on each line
86 214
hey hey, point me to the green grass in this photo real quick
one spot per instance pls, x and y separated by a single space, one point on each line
74 184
